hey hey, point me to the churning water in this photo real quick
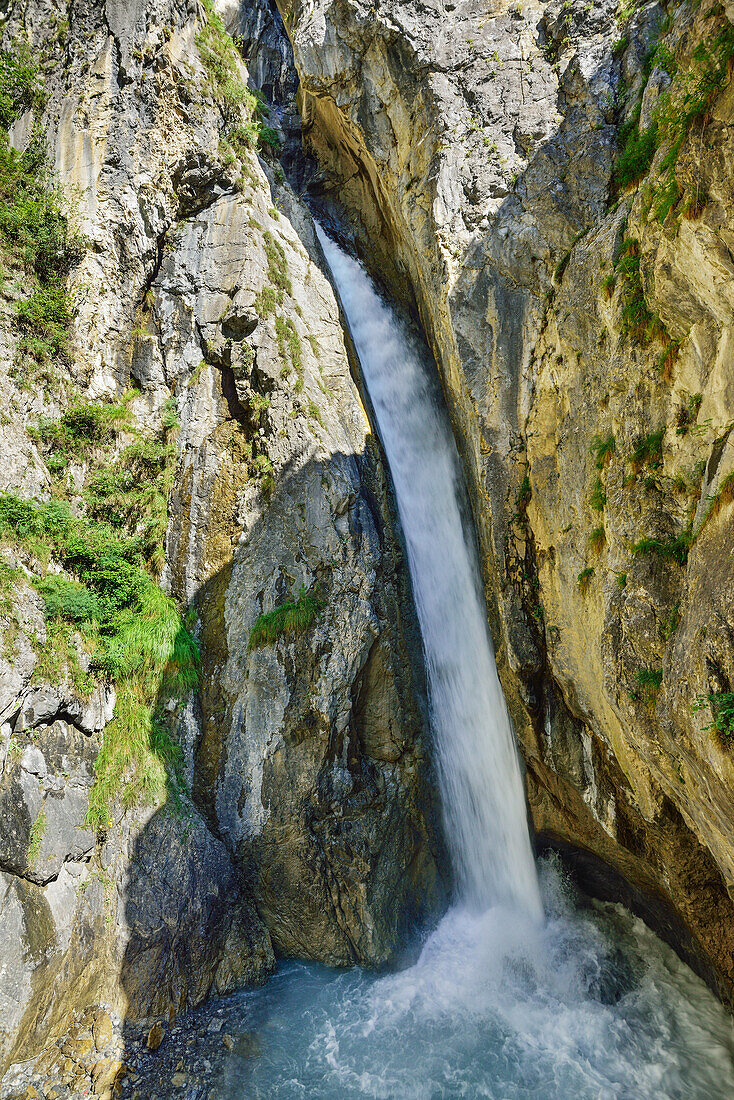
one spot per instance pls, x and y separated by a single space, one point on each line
512 997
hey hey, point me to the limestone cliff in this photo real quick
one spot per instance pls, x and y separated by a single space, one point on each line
204 381
549 186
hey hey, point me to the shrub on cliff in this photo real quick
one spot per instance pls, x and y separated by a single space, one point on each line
35 227
137 637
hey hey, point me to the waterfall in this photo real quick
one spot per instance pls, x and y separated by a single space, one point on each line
584 1003
478 766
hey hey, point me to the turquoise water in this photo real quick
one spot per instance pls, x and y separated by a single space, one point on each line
591 1005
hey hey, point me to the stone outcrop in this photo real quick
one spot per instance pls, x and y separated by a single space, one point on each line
472 151
310 825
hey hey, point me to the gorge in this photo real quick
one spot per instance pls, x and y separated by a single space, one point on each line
249 705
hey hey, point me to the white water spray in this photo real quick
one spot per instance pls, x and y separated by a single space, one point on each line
479 771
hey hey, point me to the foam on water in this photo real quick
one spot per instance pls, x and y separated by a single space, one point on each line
589 1006
511 998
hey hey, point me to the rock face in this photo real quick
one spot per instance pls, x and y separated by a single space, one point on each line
585 348
311 825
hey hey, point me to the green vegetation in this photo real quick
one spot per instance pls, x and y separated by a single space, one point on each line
69 600
670 624
584 577
722 710
597 539
221 59
622 580
668 549
19 88
151 657
649 678
106 602
290 348
649 450
36 835
667 199
637 149
266 301
683 105
133 630
35 229
666 359
277 264
258 404
292 617
314 346
603 449
126 488
83 426
638 322
686 415
262 468
222 62
648 682
598 497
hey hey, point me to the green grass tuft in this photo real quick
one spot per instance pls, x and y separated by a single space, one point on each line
687 413
292 617
598 497
603 449
597 539
649 450
649 678
36 835
584 577
668 549
636 152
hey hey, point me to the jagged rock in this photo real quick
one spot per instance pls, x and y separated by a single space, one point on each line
181 899
18 658
43 802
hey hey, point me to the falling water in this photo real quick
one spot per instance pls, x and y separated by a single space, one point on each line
510 999
479 771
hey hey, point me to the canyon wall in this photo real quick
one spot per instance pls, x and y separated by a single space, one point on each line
299 818
549 187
